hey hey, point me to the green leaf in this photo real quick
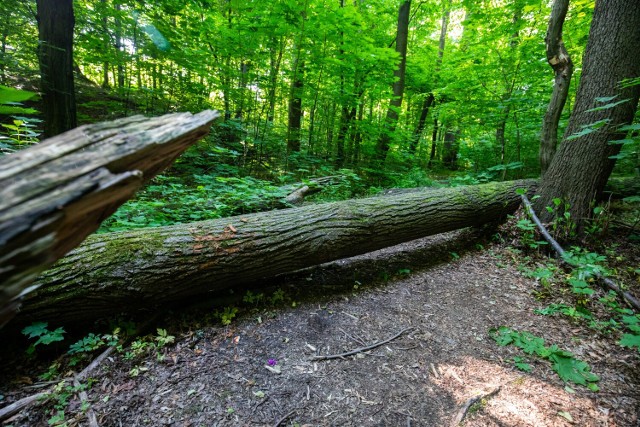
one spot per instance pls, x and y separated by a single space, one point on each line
36 329
630 340
608 106
572 370
11 95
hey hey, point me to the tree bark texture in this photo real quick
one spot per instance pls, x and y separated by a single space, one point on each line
126 271
55 55
54 194
581 167
391 120
559 59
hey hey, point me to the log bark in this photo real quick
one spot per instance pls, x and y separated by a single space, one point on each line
126 271
56 193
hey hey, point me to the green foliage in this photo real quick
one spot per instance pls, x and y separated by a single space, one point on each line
227 315
168 200
61 396
148 344
564 363
44 336
631 339
11 101
20 134
528 236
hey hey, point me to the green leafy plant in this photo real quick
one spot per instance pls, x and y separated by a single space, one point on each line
254 299
564 363
21 133
227 315
631 340
44 336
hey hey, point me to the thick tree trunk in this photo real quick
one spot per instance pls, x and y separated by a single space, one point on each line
582 165
560 61
55 28
54 194
117 272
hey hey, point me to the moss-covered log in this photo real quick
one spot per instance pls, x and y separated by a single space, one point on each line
55 193
126 271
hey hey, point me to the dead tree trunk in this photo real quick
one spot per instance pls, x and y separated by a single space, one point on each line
56 193
126 271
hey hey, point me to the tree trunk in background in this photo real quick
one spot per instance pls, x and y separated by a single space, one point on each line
398 86
55 27
450 150
434 142
417 133
119 54
295 107
127 271
582 165
506 96
428 101
560 61
275 59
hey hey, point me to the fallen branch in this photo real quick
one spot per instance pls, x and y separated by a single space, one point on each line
608 282
362 349
84 399
469 403
283 419
10 410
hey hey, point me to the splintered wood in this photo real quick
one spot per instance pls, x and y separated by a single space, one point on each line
55 193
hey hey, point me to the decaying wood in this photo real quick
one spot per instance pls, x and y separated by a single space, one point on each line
55 193
143 268
610 284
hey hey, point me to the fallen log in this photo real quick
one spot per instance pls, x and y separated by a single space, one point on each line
55 193
126 271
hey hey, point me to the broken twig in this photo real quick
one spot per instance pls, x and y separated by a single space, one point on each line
361 349
283 419
608 282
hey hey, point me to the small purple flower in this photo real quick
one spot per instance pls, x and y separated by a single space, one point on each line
272 362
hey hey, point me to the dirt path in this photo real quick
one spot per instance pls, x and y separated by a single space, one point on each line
220 375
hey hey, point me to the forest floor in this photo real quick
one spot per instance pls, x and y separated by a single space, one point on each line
442 294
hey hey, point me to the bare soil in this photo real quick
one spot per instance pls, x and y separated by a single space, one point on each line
443 298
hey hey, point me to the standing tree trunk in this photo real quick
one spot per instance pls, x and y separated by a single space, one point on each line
119 52
295 107
55 27
434 142
398 86
583 163
428 101
560 61
450 150
275 59
424 112
506 96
